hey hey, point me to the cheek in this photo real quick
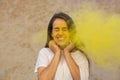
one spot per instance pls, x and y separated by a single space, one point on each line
68 35
53 35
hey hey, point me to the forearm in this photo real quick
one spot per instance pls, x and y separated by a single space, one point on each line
49 72
74 68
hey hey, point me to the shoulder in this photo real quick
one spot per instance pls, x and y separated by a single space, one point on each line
78 55
45 51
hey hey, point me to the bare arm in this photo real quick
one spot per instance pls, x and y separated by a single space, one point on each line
48 73
74 68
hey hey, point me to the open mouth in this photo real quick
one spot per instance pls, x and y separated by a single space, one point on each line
61 38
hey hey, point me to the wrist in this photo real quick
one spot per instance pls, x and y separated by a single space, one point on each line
65 51
57 53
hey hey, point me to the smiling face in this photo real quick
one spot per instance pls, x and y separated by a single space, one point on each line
60 33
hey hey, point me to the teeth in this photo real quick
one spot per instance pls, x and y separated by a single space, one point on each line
60 38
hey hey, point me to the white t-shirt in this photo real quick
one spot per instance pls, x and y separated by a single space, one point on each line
63 73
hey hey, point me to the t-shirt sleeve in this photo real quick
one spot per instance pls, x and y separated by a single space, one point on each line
42 60
82 62
84 69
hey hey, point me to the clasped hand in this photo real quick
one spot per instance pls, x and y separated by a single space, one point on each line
56 49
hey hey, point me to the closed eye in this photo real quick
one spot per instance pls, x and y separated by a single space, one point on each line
56 29
65 29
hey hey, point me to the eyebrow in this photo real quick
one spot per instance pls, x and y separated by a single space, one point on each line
56 28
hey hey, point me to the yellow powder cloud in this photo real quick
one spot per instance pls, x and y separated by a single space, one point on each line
100 33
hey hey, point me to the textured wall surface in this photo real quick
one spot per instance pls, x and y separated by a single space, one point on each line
23 25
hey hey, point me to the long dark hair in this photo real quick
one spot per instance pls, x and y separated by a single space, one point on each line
69 21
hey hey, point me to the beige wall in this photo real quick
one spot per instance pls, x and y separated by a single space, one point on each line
23 25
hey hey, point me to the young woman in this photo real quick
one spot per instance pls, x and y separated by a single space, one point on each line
60 59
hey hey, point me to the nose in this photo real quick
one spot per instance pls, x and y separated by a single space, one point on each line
60 32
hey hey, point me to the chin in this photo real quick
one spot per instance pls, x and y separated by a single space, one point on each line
62 45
